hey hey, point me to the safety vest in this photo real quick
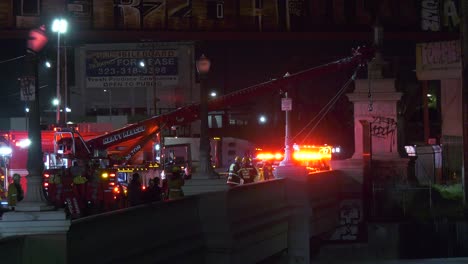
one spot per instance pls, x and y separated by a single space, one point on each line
12 195
175 188
2 192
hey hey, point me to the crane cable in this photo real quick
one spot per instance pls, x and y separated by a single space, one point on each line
324 111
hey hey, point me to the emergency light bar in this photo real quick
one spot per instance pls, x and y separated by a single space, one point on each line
301 153
269 156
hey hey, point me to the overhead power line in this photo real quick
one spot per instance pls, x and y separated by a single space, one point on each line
12 59
326 109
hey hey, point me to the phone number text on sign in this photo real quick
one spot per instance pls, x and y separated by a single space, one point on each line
161 65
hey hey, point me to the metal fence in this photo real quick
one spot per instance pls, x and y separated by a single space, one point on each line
397 201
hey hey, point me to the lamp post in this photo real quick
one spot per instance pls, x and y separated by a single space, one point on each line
286 105
59 26
110 103
203 68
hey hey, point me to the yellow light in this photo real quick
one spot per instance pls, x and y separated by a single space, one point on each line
105 175
278 156
269 156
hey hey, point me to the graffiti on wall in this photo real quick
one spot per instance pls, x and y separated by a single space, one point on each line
440 15
349 218
383 127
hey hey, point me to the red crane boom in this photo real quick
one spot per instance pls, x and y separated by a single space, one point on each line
183 115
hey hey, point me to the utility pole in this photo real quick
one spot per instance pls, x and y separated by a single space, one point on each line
464 46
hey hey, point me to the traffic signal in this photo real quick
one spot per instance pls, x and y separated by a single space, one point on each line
37 39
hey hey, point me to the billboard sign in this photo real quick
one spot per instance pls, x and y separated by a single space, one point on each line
131 68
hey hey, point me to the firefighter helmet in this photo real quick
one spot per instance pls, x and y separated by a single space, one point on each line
16 177
246 160
176 169
238 159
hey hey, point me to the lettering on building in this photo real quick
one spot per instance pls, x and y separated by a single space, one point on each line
440 15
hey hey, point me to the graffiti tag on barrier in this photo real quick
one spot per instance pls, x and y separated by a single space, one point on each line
349 219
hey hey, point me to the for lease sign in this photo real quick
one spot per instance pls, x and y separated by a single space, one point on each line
131 68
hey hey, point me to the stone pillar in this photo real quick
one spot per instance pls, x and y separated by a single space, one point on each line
375 101
383 117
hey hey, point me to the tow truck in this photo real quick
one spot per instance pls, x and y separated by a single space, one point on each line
69 145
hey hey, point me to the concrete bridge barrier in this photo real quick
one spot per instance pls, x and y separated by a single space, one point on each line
167 232
323 189
245 224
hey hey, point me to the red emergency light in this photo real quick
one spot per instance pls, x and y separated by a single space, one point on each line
269 156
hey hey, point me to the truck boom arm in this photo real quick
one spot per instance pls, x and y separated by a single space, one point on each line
183 115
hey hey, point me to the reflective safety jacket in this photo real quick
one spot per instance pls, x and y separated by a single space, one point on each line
175 188
233 177
248 173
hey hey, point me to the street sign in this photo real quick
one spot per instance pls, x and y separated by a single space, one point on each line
286 104
27 87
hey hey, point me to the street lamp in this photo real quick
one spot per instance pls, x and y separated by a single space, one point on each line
203 68
60 26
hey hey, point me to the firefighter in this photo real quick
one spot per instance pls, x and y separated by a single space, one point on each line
2 191
175 183
67 194
54 190
95 194
135 191
234 178
248 172
15 191
267 169
79 186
